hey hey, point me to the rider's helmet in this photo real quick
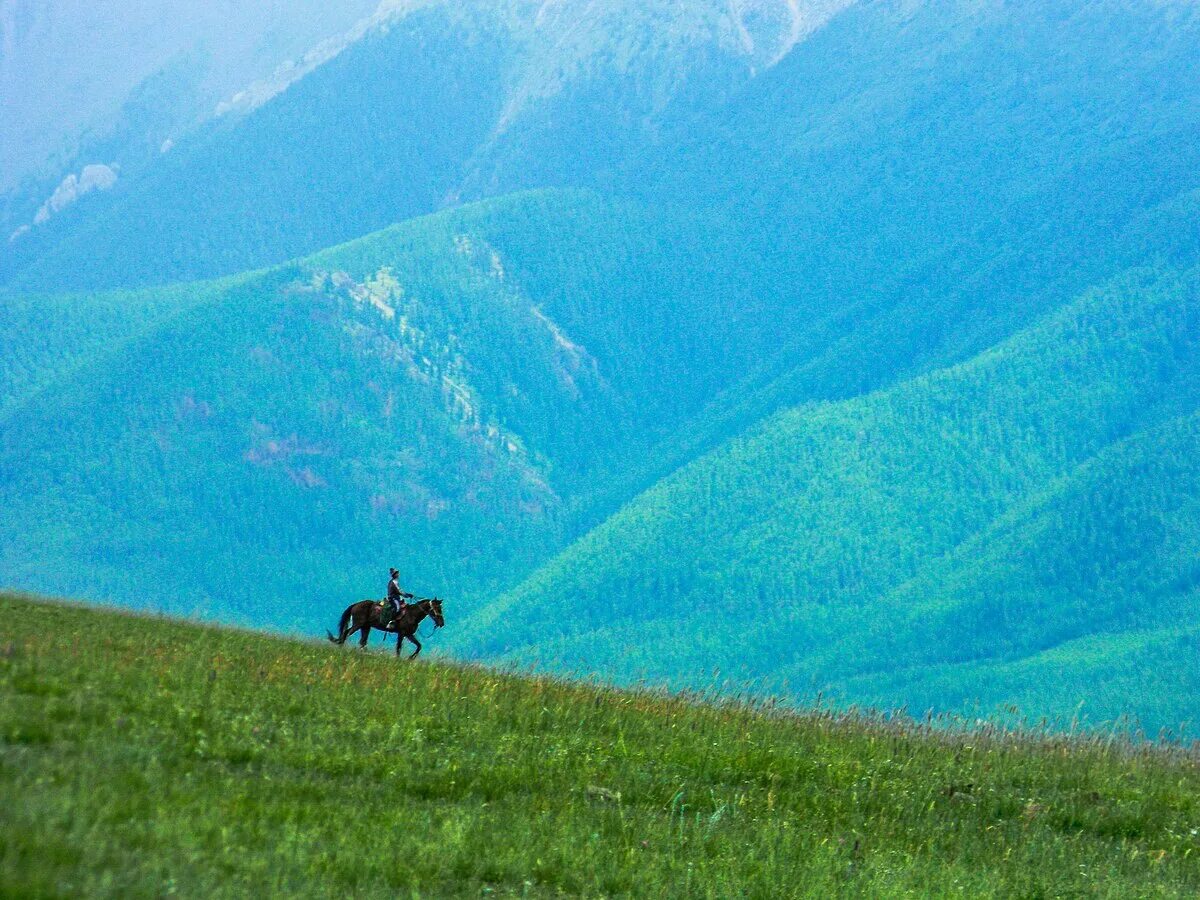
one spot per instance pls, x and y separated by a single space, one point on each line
395 572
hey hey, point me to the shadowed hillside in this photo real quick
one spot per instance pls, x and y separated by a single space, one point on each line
935 144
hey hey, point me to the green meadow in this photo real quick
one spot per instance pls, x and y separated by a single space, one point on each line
149 757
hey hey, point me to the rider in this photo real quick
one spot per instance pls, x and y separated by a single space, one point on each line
395 602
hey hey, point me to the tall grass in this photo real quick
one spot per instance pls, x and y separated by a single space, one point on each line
145 757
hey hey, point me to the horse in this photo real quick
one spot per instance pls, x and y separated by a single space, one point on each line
365 615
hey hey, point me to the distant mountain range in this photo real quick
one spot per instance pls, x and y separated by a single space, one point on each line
837 347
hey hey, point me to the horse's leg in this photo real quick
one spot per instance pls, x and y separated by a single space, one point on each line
413 638
366 633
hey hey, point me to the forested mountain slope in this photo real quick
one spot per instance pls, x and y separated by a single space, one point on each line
461 390
1039 494
498 378
1087 593
904 187
928 178
253 448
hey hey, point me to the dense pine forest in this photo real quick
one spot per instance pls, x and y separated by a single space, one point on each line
1032 507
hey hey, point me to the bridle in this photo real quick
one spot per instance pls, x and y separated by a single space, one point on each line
429 612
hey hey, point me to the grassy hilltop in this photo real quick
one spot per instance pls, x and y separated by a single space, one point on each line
145 757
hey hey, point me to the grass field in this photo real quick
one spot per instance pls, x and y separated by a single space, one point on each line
145 757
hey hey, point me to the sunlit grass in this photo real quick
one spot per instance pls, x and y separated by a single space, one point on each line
144 757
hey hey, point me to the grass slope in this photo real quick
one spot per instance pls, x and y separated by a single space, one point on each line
144 757
1039 494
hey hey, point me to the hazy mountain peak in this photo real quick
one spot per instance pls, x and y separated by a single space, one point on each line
291 70
67 65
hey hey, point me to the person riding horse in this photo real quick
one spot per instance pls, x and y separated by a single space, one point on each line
361 617
395 603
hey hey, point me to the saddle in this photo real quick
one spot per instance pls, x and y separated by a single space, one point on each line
388 613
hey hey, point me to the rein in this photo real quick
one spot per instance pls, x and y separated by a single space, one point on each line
429 634
428 615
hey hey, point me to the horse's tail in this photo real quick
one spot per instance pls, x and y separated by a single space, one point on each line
341 638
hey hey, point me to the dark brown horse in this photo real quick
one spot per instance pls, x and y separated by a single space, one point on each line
367 614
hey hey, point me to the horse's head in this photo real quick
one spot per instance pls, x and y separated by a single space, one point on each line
434 608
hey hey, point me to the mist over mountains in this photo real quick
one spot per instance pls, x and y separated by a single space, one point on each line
839 347
68 68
